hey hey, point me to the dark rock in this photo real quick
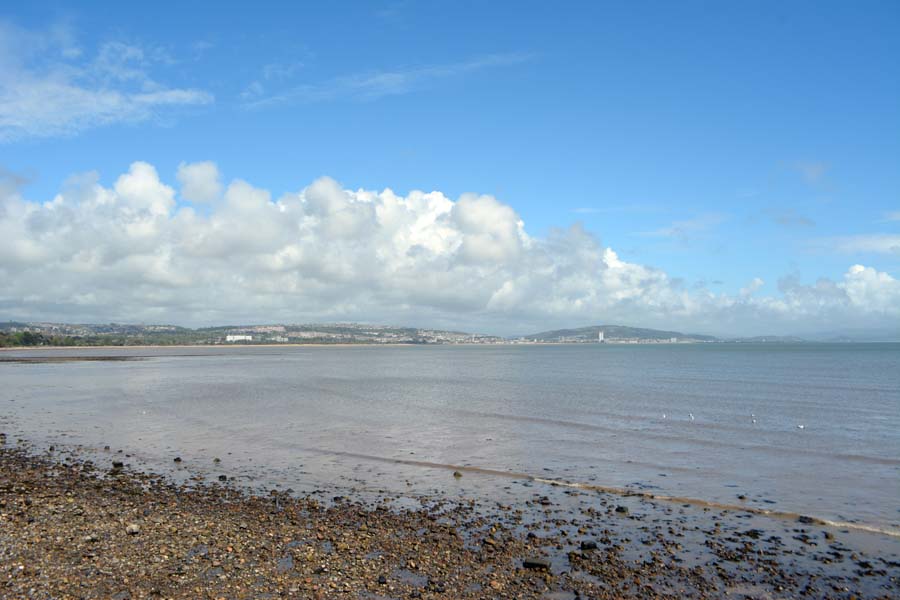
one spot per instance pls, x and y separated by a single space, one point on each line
537 564
178 459
200 550
622 510
382 580
589 545
117 464
123 595
285 563
223 477
806 520
457 474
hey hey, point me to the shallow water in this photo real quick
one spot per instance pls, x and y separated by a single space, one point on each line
403 418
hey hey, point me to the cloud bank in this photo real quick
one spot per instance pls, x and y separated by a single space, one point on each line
140 251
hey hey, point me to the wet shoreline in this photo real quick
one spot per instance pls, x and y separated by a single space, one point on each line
70 517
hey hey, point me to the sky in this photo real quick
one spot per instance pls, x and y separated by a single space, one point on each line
503 167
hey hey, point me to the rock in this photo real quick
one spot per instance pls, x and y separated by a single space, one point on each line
828 535
223 477
133 529
457 474
201 550
622 510
217 460
382 580
589 545
806 520
123 595
178 459
285 563
495 585
117 464
537 564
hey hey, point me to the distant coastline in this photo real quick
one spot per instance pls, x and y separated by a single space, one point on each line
17 334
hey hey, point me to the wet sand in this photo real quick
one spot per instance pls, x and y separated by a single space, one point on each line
89 525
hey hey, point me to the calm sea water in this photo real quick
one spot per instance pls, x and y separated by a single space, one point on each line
705 421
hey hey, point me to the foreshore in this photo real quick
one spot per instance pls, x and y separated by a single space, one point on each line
73 528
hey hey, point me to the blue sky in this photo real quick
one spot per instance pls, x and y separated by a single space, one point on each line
718 143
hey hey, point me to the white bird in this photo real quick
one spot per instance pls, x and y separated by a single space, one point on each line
801 426
664 415
691 415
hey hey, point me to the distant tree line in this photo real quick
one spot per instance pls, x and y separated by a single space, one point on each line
31 338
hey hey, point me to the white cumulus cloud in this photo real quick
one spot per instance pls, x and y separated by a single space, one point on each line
130 253
200 181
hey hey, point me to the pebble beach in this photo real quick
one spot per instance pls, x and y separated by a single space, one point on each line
73 526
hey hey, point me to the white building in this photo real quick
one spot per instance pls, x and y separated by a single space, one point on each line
238 338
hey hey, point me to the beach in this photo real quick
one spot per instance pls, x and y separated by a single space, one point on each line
82 529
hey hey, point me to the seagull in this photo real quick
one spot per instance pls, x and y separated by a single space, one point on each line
691 415
801 426
664 415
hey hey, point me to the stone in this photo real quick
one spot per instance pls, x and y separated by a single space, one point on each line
178 459
223 477
622 510
133 529
589 545
117 464
285 563
457 474
537 564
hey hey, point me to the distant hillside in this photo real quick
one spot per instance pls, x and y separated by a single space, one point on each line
615 332
770 339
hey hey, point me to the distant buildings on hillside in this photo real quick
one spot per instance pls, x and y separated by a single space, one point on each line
238 338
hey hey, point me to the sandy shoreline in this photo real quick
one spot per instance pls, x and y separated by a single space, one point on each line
72 528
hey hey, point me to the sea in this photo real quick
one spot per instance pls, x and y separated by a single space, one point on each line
807 429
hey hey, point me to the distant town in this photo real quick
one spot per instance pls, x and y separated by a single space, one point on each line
15 334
